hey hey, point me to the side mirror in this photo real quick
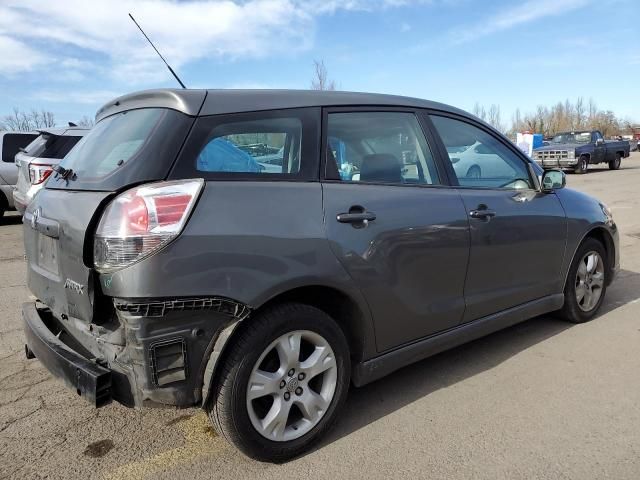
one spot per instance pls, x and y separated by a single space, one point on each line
553 180
599 142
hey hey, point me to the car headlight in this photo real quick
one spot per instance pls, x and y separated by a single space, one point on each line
571 154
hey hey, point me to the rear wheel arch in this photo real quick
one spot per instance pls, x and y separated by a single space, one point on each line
341 307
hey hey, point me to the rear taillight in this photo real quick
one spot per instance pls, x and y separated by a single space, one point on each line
142 220
39 172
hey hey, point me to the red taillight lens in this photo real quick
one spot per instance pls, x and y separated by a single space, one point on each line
39 172
142 220
137 215
171 209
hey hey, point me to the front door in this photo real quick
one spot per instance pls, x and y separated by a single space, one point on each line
518 234
599 149
402 236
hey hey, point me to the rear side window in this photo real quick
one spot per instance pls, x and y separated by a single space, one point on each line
13 142
269 145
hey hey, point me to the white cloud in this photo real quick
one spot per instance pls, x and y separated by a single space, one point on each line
520 14
17 57
183 31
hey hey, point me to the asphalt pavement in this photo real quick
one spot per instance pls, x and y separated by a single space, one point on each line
543 399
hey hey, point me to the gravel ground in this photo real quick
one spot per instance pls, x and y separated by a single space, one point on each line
543 399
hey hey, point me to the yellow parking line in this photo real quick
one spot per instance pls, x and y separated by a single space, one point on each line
198 437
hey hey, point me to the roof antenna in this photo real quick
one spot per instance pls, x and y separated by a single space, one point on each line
154 47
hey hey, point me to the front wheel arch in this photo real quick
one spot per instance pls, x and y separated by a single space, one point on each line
605 238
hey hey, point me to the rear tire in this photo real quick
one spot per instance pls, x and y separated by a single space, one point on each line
244 416
579 307
583 165
4 205
615 164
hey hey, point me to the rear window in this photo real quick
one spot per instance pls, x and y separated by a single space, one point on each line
128 147
269 145
59 146
13 142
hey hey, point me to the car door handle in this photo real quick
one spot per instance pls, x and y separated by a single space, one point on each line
356 217
482 214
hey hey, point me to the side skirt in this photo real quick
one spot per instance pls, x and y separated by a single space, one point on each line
382 365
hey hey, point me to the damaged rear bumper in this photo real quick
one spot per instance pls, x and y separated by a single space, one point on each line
151 353
85 376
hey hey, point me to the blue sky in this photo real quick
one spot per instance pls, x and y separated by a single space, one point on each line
70 57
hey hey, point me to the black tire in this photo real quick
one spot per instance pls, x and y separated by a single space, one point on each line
615 164
583 165
474 172
228 410
571 311
4 205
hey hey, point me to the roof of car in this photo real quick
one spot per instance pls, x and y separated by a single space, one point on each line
215 102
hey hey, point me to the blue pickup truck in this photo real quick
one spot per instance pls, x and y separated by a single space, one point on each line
577 150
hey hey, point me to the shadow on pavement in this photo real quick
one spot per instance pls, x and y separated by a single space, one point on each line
11 218
374 401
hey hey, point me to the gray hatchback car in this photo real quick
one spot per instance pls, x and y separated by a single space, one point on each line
256 252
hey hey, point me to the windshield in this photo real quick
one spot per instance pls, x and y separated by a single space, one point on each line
128 147
572 137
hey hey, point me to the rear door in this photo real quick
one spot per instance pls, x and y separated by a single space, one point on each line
399 231
127 148
518 234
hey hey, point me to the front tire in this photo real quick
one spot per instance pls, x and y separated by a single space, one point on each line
586 284
615 164
583 165
282 383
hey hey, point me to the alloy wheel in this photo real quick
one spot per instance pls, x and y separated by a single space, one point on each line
589 281
291 385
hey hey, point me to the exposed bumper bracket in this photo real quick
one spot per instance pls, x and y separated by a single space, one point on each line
89 379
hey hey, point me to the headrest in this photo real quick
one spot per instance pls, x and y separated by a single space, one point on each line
381 167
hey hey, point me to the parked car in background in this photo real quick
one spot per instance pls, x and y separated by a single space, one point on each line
170 269
10 145
577 150
35 162
477 161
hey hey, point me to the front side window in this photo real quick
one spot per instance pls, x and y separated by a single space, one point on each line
269 146
478 158
378 147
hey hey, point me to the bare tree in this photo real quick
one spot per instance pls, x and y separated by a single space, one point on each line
23 121
479 111
494 118
568 116
86 121
320 79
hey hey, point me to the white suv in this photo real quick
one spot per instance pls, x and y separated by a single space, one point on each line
10 144
35 162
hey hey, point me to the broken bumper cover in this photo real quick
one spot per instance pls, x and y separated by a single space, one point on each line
154 355
90 380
